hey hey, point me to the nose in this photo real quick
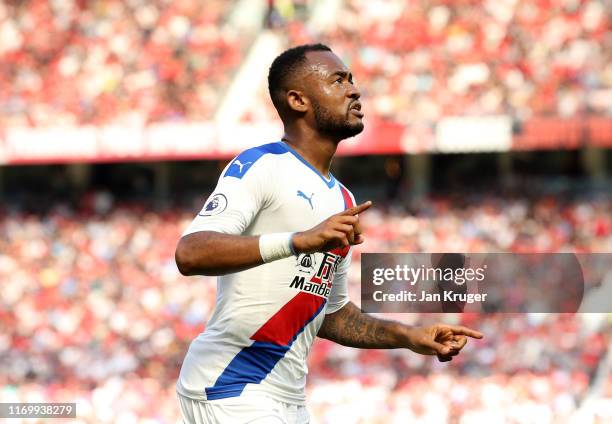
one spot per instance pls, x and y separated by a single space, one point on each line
353 92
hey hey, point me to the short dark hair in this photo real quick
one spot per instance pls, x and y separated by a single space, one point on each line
285 66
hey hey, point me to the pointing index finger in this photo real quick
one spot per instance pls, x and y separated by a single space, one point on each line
357 209
459 329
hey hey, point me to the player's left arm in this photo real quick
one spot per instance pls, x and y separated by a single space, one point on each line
348 326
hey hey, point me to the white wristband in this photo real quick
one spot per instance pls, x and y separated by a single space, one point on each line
275 246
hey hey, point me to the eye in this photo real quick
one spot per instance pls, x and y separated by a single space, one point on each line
339 80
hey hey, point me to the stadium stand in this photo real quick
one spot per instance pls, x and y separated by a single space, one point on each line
139 62
76 62
420 61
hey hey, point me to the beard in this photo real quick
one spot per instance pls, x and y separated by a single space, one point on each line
338 127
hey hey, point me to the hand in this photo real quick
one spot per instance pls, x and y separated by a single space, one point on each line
338 230
442 340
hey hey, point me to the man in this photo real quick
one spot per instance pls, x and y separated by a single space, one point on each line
278 230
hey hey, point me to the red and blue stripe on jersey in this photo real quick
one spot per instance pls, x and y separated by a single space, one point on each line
271 342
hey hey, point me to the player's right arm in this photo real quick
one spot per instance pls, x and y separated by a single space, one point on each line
216 253
213 243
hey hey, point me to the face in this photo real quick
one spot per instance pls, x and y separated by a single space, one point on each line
335 99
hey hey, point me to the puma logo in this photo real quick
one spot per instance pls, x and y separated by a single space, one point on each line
300 193
240 164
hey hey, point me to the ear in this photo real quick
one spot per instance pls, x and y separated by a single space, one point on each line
297 101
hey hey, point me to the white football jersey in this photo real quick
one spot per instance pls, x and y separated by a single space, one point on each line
267 317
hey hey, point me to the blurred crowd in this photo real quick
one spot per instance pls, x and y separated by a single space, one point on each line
488 223
94 311
131 62
75 62
418 61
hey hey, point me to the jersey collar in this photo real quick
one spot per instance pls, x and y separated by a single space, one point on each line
329 182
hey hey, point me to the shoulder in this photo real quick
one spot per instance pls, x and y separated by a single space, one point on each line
263 156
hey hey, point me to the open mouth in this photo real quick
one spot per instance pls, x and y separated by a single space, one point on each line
355 109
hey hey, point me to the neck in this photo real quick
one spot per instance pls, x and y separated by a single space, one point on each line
314 148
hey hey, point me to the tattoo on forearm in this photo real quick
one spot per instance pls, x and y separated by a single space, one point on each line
350 327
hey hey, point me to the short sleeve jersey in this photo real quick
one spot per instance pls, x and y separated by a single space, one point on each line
267 317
